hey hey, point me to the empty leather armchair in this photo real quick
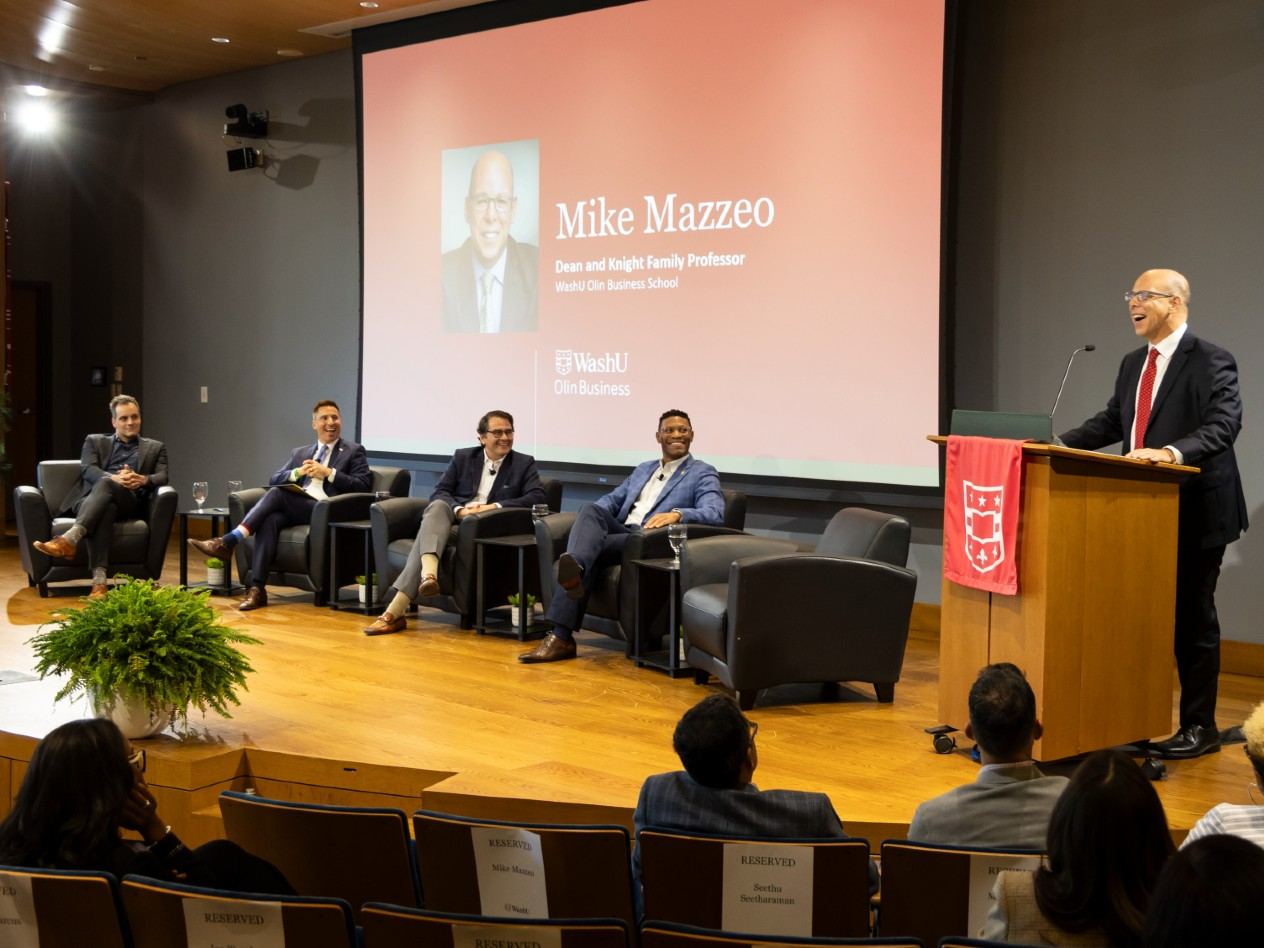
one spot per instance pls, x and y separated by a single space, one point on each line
395 526
139 546
757 612
611 608
302 558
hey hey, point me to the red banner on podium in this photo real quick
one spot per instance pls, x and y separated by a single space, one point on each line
982 497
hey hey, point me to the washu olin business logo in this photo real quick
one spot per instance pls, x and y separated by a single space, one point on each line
566 361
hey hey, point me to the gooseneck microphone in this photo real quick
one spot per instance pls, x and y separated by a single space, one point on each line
1085 348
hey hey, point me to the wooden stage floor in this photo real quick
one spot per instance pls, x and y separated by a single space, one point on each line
449 720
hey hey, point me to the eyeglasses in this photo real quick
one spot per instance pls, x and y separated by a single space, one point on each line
137 759
1144 296
500 432
481 202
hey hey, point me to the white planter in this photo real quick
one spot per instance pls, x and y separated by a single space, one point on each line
536 609
364 594
131 716
215 576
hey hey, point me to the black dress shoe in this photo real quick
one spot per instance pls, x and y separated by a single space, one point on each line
1191 741
550 649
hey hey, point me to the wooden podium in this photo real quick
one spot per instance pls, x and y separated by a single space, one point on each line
1092 623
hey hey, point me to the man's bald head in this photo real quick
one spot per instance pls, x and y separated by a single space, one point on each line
1158 304
490 205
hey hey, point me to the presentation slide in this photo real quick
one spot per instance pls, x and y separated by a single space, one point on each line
726 207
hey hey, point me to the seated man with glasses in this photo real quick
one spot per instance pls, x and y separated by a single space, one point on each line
714 793
489 475
678 488
490 282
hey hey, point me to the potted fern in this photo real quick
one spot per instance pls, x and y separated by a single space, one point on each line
145 654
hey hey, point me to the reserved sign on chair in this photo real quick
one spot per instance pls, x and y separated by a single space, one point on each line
212 923
767 889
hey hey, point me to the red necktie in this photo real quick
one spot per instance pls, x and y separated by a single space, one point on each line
1145 395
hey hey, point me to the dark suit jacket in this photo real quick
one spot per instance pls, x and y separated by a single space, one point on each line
675 801
517 483
1198 411
151 460
518 302
348 461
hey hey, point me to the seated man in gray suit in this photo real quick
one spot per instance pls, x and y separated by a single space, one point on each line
714 793
1009 803
118 474
489 475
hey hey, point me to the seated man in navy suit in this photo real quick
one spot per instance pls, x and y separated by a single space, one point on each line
329 467
714 794
678 488
489 475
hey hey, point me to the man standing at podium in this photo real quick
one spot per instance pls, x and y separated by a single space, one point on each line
1176 400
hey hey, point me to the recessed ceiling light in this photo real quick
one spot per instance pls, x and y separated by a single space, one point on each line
369 4
37 91
93 67
36 118
220 39
289 52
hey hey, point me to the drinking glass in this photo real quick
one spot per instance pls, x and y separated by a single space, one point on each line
676 534
200 491
233 487
539 512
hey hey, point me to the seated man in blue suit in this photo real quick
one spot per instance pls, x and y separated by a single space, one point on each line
489 475
678 488
327 468
714 794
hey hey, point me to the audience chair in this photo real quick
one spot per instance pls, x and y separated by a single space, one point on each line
955 941
926 887
394 926
395 525
139 546
156 914
611 608
72 908
347 852
757 613
587 868
682 880
302 556
670 935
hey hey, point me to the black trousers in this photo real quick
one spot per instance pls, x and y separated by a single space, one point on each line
96 512
1197 632
265 520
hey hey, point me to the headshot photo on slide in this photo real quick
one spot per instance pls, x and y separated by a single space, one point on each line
490 237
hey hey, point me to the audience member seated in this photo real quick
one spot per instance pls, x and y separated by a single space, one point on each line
714 793
1210 893
676 488
85 783
1108 842
1239 819
485 477
1009 803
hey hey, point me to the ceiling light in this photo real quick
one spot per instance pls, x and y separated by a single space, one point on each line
93 67
289 52
369 4
35 118
220 39
37 91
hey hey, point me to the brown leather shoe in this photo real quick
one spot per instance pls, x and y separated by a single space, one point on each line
99 591
58 547
550 649
256 598
212 547
570 576
386 623
429 586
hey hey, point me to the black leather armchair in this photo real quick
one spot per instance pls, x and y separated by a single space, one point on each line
611 608
302 557
139 546
395 526
756 612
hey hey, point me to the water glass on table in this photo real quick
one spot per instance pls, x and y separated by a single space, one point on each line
539 512
676 534
200 491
